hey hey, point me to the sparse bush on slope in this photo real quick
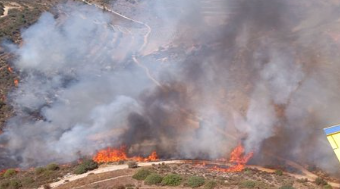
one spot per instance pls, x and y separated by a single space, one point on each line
195 181
153 179
52 167
10 173
86 165
210 185
171 180
141 174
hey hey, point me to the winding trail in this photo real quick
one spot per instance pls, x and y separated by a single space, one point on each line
6 8
9 7
143 46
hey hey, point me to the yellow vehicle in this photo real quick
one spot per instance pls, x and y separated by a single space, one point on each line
333 136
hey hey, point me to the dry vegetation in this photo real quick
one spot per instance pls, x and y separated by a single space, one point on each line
190 176
33 178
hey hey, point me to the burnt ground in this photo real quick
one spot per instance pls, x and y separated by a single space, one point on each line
123 178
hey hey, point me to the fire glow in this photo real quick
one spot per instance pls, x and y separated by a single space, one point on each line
119 154
237 161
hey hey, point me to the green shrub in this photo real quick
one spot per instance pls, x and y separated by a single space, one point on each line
319 181
248 184
27 180
302 180
86 165
80 169
132 164
52 167
210 185
141 174
46 174
171 180
90 164
39 170
248 172
15 184
327 187
195 181
286 187
279 172
153 179
10 173
4 184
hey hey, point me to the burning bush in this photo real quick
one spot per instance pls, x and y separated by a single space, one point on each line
153 179
10 173
195 181
171 180
141 174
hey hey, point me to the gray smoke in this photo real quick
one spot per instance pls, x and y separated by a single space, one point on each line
263 72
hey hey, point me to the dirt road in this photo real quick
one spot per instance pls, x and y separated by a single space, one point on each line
9 7
104 170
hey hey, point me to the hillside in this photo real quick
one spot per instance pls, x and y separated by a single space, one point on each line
199 93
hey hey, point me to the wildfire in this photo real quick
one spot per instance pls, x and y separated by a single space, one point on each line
119 154
238 159
10 69
16 82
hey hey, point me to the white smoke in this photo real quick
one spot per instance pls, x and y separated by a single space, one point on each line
81 88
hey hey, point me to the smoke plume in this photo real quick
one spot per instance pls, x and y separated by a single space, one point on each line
190 79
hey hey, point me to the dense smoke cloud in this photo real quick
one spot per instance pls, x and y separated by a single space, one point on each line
260 72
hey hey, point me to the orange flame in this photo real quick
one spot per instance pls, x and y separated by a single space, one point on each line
119 154
16 82
10 69
239 160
